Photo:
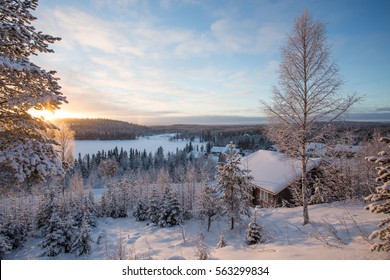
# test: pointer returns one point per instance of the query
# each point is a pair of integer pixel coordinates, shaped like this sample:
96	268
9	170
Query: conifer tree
55	240
5	245
26	153
206	204
380	201
153	206
171	213
82	244
140	212
235	188
254	233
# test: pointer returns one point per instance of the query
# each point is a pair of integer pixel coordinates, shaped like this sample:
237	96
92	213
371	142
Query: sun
47	115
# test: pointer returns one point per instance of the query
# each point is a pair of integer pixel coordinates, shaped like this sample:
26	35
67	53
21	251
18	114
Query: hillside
338	231
104	129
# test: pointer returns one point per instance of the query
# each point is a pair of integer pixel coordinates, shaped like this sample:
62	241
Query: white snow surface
274	171
337	231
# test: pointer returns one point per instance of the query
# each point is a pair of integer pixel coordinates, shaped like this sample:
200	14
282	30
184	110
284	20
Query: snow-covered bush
380	201
108	168
201	251
221	241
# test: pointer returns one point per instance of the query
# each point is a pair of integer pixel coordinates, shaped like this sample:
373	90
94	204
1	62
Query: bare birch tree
65	138
308	96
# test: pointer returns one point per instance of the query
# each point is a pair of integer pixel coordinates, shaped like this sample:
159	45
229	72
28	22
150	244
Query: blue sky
193	61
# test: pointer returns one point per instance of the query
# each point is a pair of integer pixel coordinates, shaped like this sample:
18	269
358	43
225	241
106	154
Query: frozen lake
149	143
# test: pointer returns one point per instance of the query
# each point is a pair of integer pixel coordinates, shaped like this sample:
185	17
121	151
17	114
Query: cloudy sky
199	61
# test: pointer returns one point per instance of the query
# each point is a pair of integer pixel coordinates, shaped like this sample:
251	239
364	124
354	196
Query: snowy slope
337	231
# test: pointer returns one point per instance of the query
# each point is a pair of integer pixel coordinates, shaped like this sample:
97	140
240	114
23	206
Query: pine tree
109	201
171	213
206	206
48	204
234	185
16	223
82	244
380	201
26	153
153	206
5	245
71	220
54	241
140	212
254	233
90	211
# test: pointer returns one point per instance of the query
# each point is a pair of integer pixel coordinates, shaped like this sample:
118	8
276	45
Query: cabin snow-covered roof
225	150
273	171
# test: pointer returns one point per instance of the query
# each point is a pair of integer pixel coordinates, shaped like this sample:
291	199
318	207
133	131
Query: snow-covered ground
337	231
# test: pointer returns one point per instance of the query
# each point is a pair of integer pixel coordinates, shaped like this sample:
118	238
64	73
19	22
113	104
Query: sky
204	62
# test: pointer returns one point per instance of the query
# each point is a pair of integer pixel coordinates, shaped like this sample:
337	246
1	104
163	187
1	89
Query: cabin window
264	196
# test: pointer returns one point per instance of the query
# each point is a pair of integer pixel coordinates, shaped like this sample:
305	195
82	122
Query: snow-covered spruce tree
5	245
55	240
141	212
254	233
16	222
125	195
48	204
82	244
206	206
153	210
26	153
234	184
90	210
170	211
71	219
109	202
380	201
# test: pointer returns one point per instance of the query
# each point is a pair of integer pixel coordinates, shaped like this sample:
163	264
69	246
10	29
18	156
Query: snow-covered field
337	231
149	143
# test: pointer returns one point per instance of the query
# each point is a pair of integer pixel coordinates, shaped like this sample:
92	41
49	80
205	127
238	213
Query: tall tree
234	183
380	201
25	86
307	98
65	136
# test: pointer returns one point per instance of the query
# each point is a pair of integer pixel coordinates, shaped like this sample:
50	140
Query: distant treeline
244	136
105	129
